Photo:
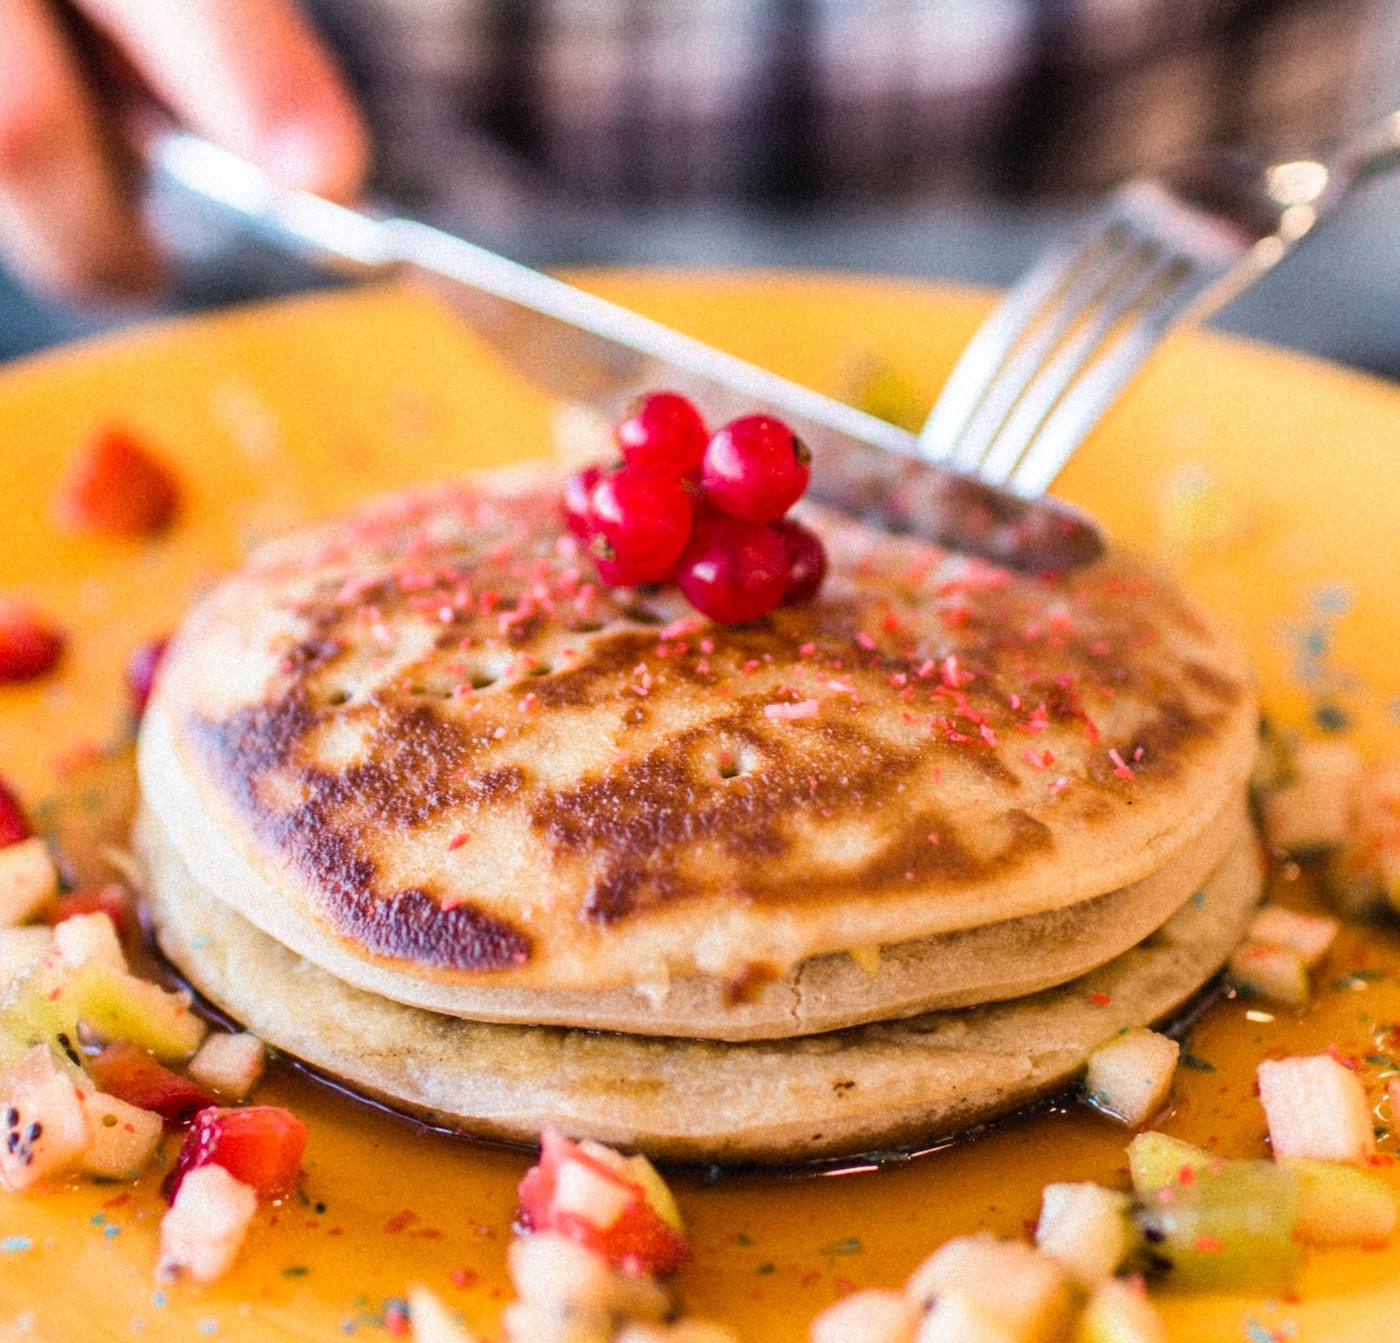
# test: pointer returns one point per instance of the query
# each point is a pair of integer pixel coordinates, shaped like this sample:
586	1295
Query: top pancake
421	739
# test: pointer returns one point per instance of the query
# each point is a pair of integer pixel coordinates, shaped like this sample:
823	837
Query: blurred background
944	139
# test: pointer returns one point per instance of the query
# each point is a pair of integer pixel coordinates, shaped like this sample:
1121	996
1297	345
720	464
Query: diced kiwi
39	1008
1157	1159
118	1006
1340	1205
1228	1227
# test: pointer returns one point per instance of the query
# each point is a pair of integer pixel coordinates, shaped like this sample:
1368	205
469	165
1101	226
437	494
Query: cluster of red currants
705	510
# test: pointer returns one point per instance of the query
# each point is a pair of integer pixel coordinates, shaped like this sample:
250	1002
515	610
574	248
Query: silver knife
583	348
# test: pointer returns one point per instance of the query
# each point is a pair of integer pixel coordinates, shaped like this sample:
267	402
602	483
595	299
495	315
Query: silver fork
1160	252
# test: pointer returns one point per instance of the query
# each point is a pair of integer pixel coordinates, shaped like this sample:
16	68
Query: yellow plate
1268	479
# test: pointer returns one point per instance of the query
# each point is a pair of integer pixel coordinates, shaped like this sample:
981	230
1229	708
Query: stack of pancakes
428	808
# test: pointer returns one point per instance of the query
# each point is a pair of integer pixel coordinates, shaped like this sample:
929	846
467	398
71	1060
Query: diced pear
1156	1160
119	1006
1129	1076
1308	934
1118	1311
1340	1205
28	880
1313	808
20	948
124	1138
598	1200
1086	1228
1278	973
203	1230
1025	1292
90	937
229	1065
1229	1227
432	1322
43	1128
1315	1108
872	1316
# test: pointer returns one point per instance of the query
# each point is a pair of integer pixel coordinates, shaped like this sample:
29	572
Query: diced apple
872	1316
1118	1311
1156	1160
1278	973
19	949
124	1139
640	1171
1025	1292
956	1318
432	1322
1129	1076
582	1192
119	1006
682	1331
1308	934
90	937
229	1065
28	880
1229	1227
203	1230
1315	1108
42	1125
1312	809
1085	1228
555	1270
1340	1205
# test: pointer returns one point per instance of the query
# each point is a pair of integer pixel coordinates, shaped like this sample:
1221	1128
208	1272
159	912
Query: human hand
248	74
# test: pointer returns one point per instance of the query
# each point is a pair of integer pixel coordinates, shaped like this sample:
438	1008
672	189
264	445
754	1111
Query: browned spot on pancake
406	782
1223	688
748	985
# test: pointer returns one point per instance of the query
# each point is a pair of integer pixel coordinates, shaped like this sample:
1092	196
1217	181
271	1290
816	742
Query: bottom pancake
867	1087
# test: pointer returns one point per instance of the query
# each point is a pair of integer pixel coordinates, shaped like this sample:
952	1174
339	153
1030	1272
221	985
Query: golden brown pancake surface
424	738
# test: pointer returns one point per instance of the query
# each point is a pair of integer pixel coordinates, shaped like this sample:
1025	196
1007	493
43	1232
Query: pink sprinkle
807	708
707	646
988	735
679	629
865	641
1120	769
808	650
933	838
951	674
1137	754
499	733
457	841
528	703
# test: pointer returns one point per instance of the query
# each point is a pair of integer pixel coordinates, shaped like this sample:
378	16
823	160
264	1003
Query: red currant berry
732	570
641	520
577	503
663	432
756	468
806	561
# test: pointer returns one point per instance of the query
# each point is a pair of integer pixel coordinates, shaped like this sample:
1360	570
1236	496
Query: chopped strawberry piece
261	1145
29	645
130	1074
141	668
117	487
112	900
572	1193
14	824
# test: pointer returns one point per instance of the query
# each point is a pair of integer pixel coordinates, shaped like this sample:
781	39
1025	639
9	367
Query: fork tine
1104	264
1156	275
999	336
1085	402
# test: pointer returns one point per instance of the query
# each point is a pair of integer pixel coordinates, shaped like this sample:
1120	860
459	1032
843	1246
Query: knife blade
583	348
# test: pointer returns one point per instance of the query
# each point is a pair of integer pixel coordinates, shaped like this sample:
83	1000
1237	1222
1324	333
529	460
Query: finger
251	75
67	221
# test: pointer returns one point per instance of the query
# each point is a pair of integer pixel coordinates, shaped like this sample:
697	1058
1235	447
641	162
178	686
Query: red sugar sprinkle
1209	1245
865	641
457	841
465	1277
1120	769
1100	999
399	1221
933	837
